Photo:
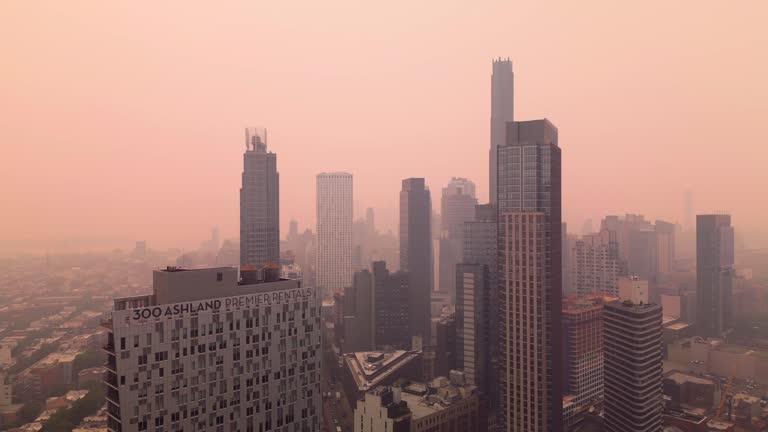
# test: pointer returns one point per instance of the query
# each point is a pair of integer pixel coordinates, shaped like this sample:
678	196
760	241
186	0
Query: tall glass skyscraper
530	292
259	203
502	109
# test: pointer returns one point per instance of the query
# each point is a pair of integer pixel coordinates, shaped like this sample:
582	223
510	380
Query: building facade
714	274
208	352
259	203
334	233
633	366
530	292
416	254
583	352
473	325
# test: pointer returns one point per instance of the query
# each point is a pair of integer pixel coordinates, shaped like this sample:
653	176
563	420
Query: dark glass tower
390	323
416	254
714	274
259	203
530	283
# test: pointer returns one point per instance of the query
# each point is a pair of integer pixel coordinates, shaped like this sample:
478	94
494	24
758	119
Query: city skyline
180	116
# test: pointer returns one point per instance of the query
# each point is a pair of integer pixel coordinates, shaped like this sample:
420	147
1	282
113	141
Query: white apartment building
207	351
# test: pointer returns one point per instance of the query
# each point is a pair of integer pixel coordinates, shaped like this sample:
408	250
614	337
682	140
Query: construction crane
725	395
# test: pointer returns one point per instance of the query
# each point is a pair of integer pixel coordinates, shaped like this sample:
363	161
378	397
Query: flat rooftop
424	400
368	368
682	377
677	326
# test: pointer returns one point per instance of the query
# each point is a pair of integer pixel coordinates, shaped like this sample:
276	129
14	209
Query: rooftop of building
574	304
368	368
686	416
425	399
629	305
178	285
682	377
679	325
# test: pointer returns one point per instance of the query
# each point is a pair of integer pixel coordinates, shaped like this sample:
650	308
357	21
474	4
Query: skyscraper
502	109
416	254
334	232
457	206
633	366
259	203
714	274
530	292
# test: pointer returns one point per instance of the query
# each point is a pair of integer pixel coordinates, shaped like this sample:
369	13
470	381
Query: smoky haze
123	122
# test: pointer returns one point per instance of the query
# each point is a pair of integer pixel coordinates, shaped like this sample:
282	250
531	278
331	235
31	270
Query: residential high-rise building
530	292
714	274
334	233
390	307
416	254
502	111
633	366
457	206
208	352
583	352
472	325
595	267
259	203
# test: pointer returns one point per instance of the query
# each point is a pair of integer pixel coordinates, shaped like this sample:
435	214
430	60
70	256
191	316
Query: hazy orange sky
122	121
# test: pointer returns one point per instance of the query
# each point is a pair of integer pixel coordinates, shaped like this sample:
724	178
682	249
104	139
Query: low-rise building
689	390
441	405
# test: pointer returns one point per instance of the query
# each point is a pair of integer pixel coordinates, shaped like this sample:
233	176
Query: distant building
457	207
502	111
391	293
714	274
633	366
359	313
204	345
334	232
259	203
595	266
416	253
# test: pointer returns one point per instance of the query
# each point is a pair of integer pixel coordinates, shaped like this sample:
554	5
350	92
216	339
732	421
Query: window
219	277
